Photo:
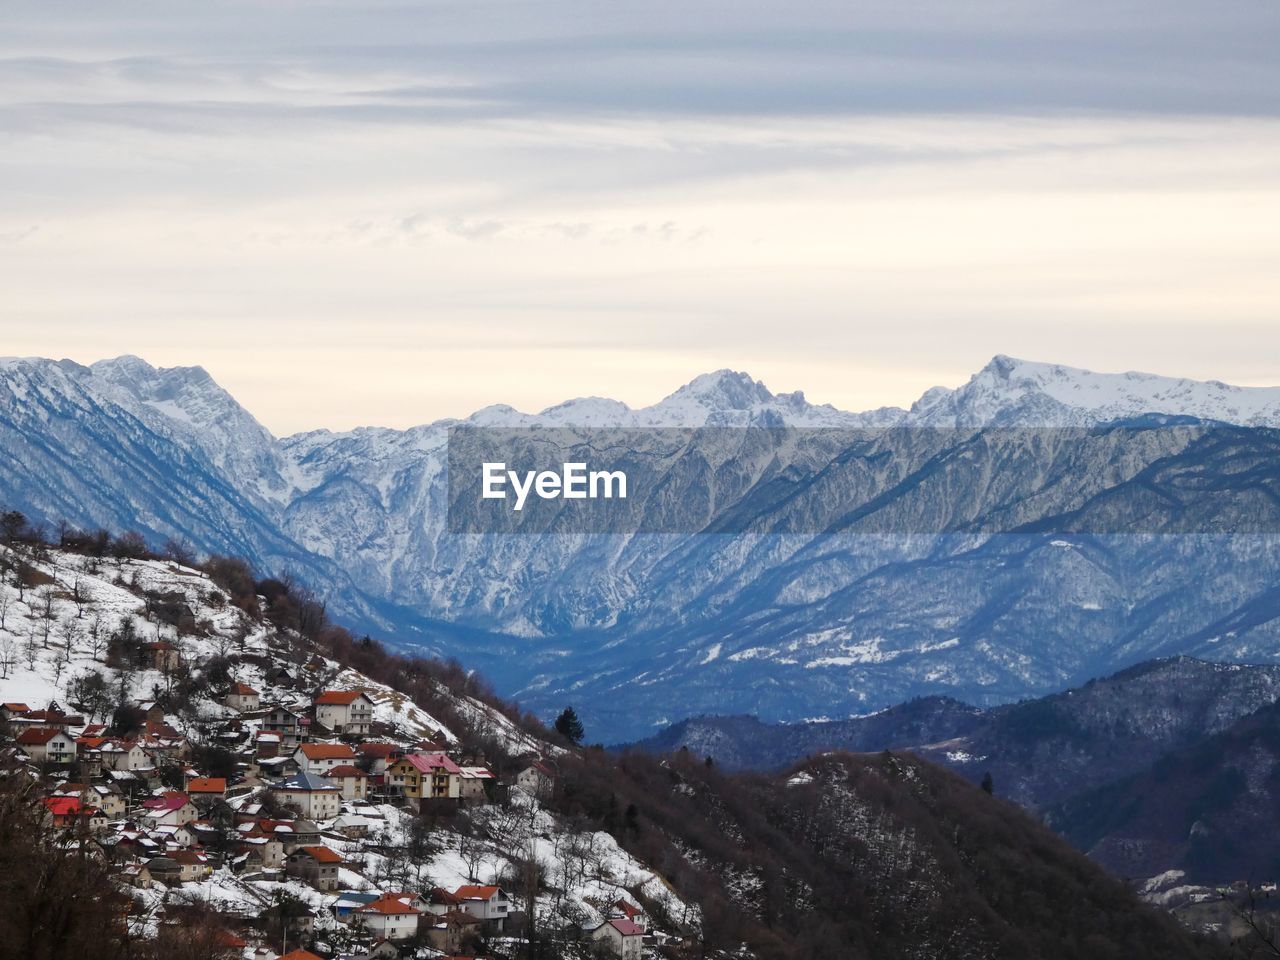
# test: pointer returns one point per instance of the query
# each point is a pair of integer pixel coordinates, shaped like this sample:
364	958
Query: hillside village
230	776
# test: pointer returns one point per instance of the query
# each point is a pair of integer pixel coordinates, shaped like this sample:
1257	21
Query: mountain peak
724	390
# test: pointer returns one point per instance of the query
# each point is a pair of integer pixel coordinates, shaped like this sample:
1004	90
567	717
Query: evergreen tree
988	785
569	726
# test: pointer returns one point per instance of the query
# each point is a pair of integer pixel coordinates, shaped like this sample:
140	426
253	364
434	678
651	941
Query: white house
345	711
47	745
536	779
351	780
472	783
387	917
623	938
310	795
170	809
123	755
243	697
320	758
488	903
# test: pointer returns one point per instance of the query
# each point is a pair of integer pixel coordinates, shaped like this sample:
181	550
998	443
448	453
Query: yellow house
425	776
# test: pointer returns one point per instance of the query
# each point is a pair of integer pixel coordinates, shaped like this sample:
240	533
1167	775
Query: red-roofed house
488	903
536	779
623	938
631	912
207	785
243	697
320	758
204	791
345	711
64	810
425	776
388	917
317	865
47	745
170	809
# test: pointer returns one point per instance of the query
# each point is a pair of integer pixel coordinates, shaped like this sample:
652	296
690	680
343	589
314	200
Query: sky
381	213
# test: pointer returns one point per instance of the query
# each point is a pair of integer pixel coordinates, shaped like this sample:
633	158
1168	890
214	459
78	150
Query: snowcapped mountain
788	624
193	410
1021	393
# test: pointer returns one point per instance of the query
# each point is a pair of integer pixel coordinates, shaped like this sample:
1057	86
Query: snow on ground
582	871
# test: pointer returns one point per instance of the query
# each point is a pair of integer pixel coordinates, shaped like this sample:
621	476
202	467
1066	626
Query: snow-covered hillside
65	618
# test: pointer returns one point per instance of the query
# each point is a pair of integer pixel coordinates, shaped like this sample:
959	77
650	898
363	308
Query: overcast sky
371	213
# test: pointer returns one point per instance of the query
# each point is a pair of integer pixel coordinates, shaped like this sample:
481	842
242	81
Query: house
352	826
488	903
170	809
422	776
242	697
345	711
536	779
136	875
378	756
47	745
320	758
348	901
453	931
300	955
309	795
164	655
153	711
71	807
387	917
191	865
179	866
351	780
622	937
473	783
316	865
291	725
440	902
631	912
65	811
123	755
267	745
160	739
10	710
104	796
50	717
179	838
204	791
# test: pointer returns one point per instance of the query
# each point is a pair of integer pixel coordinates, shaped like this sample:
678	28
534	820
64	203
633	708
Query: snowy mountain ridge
123	445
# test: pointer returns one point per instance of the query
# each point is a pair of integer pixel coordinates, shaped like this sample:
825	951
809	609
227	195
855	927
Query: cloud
854	199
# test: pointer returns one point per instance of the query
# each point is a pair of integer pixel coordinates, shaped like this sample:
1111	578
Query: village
305	810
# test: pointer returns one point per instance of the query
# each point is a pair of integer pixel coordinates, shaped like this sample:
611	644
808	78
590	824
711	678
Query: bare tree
30	648
48	613
96	636
8	654
61	660
79	595
4	607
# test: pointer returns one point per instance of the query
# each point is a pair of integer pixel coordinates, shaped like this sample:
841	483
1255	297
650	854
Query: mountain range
939	559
